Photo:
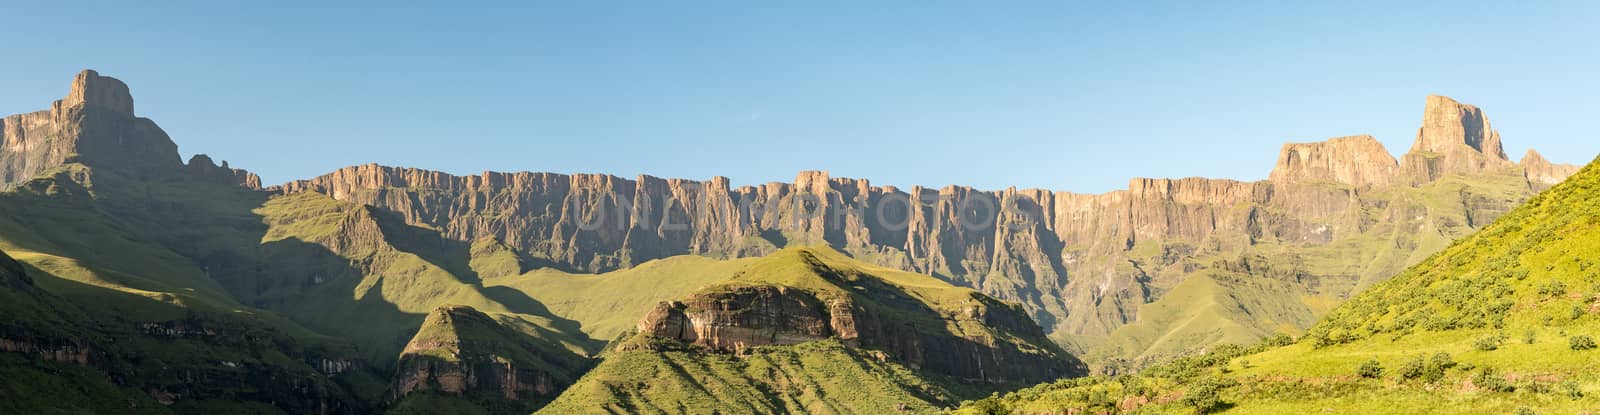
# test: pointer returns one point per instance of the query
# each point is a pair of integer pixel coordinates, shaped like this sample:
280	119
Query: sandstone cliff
1082	264
95	125
805	295
1356	160
1454	138
1541	173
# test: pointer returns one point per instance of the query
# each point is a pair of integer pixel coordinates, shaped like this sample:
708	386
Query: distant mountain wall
1081	263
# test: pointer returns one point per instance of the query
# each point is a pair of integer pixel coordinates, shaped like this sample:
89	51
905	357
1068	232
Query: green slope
609	304
1271	288
880	369
1499	322
823	377
466	361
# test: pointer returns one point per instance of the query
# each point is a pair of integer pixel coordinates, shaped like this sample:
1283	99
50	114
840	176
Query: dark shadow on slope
520	302
909	329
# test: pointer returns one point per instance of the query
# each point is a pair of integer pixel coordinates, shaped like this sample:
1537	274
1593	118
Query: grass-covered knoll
464	361
823	377
926	304
453	333
862	373
1500	322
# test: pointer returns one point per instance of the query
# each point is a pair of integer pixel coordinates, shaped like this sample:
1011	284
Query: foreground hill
809	330
1500	322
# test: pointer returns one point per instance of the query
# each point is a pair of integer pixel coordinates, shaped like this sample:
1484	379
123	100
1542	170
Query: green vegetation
1242	291
1518	275
816	377
646	374
1580	343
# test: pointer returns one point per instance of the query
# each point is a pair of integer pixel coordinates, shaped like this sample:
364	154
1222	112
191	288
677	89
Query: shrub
1414	368
1487	343
1577	312
1523	410
1580	342
1442	360
1553	288
1530	336
1205	396
1370	369
1436	367
1489	380
1572	390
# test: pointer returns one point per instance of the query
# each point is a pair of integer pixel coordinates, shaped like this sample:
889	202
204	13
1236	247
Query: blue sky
989	94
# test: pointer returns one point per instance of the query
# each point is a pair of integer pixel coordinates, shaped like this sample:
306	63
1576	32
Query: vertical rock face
95	125
1454	138
1081	263
1541	173
1356	160
91	89
977	339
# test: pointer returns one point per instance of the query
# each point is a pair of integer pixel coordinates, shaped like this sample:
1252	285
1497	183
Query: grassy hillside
854	374
1503	321
127	308
466	361
1271	287
609	304
823	377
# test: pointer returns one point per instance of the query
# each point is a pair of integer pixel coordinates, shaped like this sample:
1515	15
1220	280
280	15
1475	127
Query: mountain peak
1454	138
91	89
1448	124
1541	173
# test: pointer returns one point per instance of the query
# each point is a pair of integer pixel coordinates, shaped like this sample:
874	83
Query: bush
1205	396
1370	369
1414	368
1489	380
1436	367
1530	337
1580	342
1553	288
1572	390
1442	360
1523	410
1489	343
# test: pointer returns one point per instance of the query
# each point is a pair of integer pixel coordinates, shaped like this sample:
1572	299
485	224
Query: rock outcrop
1070	258
1541	173
94	125
1454	138
1356	160
983	340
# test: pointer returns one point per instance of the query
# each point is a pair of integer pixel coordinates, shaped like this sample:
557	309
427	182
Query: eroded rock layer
1067	256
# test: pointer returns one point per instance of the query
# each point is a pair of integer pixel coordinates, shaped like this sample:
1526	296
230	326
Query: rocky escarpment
1454	138
95	125
1072	259
1541	173
460	351
973	337
1356	160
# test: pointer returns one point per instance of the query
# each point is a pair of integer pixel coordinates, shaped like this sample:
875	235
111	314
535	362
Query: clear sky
991	94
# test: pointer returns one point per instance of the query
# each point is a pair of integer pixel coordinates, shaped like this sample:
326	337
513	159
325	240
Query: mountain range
137	282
